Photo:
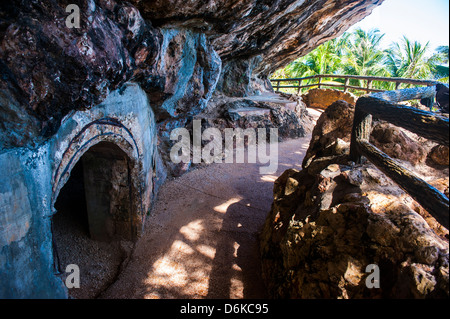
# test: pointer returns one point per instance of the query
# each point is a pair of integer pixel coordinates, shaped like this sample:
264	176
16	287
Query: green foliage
359	53
364	56
441	54
408	60
440	60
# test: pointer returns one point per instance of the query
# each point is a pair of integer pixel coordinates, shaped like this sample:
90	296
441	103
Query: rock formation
333	220
243	29
322	98
173	50
330	137
394	142
439	154
325	229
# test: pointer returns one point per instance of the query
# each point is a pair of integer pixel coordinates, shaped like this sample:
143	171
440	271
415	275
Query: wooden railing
276	83
383	106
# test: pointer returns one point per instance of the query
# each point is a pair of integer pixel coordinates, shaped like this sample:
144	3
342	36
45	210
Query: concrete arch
112	131
104	129
32	179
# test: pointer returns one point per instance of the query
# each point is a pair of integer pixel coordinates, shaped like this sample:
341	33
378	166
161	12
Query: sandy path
201	240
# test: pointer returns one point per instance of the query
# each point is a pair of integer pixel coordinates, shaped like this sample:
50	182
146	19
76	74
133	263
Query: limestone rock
439	155
395	143
236	78
244	29
268	111
324	230
322	98
51	69
173	50
331	135
184	78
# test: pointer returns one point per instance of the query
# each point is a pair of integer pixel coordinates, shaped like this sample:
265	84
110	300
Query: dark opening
92	227
71	203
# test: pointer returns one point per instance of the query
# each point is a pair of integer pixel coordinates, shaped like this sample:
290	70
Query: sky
419	20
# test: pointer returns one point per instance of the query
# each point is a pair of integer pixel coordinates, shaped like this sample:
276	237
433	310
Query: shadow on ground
201	240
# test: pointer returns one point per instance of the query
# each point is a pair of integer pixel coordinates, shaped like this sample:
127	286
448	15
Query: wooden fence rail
346	85
427	124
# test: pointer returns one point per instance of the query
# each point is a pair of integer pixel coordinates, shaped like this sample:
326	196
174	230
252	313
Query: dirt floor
201	240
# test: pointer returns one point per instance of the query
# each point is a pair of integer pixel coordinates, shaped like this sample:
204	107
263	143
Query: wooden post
423	123
436	203
369	86
299	87
278	86
420	122
397	85
320	80
362	127
347	80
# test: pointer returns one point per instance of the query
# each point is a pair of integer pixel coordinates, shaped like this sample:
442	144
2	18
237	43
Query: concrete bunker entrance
93	227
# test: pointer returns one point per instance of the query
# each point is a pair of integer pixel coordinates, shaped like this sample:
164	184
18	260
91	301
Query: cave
98	193
93	218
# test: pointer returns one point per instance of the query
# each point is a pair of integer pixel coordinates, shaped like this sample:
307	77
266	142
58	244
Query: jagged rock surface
242	29
439	154
331	220
325	229
330	137
51	70
48	69
394	142
174	50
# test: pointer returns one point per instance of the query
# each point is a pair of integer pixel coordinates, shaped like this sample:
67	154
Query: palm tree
359	53
442	54
325	59
440	60
363	55
408	59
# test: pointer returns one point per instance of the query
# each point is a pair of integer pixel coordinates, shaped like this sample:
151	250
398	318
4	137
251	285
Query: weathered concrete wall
26	259
126	119
30	181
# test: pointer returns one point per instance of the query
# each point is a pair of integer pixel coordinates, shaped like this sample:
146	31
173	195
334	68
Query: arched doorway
108	190
93	226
